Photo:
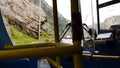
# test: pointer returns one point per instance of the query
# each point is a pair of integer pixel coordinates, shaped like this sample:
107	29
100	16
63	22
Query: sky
64	9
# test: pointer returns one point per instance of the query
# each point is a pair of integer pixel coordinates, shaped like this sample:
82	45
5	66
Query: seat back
117	31
4	37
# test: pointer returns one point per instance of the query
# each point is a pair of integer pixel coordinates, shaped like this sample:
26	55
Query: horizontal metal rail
101	56
46	49
40	52
102	41
109	3
9	47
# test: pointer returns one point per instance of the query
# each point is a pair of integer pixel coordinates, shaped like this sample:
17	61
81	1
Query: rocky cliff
23	15
113	20
49	12
26	15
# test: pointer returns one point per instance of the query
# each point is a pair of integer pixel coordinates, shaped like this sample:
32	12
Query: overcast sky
64	9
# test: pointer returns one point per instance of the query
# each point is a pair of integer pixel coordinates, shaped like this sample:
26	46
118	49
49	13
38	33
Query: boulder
24	15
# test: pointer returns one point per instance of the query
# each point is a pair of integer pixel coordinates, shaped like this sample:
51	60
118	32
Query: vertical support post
56	28
55	15
77	31
98	16
39	30
93	37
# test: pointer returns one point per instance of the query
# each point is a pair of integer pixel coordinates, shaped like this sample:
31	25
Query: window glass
109	16
89	16
27	21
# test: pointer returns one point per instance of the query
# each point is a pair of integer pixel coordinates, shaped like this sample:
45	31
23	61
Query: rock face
23	15
113	20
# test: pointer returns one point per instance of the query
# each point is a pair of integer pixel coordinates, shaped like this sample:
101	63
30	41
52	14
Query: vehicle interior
100	48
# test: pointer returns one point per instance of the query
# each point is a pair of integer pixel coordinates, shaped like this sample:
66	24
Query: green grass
45	37
20	38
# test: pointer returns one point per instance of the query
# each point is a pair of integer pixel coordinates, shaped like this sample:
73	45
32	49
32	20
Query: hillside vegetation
20	38
21	18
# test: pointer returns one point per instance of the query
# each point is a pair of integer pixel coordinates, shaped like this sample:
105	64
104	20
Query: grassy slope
46	38
20	38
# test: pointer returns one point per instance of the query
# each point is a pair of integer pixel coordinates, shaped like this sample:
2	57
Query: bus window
109	16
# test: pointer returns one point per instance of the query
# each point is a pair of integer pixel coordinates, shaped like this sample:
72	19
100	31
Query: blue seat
4	37
15	63
19	63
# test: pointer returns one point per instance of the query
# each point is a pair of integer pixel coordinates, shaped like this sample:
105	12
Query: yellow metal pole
56	28
55	15
52	62
77	32
9	47
101	56
39	52
102	41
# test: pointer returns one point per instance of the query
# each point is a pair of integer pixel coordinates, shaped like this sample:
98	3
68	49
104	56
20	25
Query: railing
40	50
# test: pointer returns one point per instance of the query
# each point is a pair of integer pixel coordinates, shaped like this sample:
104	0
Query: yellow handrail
39	52
101	56
77	31
54	63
